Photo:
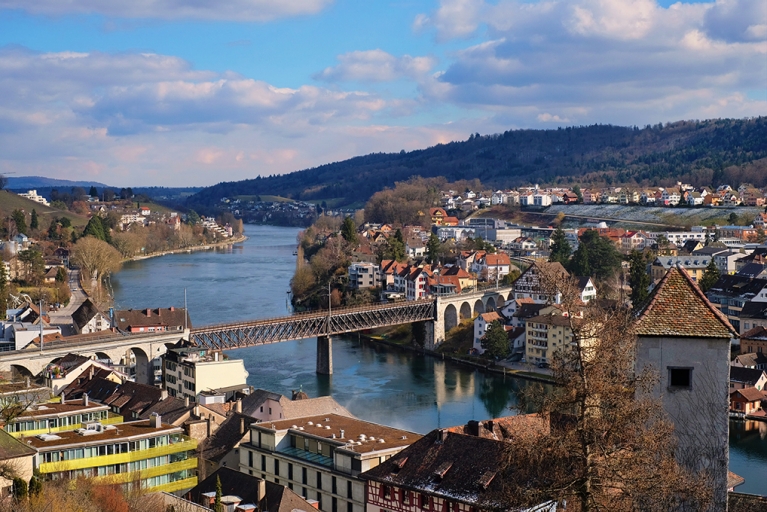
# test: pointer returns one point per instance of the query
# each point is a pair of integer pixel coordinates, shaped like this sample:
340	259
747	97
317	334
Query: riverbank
206	247
499	369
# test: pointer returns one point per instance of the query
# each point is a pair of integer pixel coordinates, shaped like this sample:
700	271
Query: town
186	428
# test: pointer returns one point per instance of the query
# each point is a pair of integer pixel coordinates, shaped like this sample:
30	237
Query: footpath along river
250	280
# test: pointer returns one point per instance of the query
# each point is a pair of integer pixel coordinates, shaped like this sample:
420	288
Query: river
377	383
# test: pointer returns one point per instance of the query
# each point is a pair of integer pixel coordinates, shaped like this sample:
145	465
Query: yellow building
48	418
149	453
544	335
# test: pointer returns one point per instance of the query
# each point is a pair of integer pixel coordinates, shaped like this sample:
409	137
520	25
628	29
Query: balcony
111	419
120	458
130	476
178	485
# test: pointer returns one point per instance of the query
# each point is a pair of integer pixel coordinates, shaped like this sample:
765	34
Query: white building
321	457
363	275
32	196
187	372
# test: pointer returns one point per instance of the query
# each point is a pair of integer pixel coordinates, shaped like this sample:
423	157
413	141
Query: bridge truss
309	325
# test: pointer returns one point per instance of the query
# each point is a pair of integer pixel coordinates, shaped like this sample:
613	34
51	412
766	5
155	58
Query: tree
61	275
732	219
34	265
595	255
639	279
560	247
93	192
577	192
512	276
35	484
3	181
433	249
418	330
496	341
97	258
96	229
19	221
3	290
579	265
349	230
20	489
394	248
34	223
192	218
609	444
217	505
108	195
710	276
662	243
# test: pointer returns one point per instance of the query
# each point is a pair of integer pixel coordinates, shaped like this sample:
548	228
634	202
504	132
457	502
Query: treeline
704	152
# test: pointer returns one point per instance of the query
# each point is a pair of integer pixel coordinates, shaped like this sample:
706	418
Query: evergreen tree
496	341
710	276
93	192
560	247
20	489
3	290
349	230
639	279
34	223
20	221
192	218
97	229
35	484
579	265
217	505
598	257
433	248
577	192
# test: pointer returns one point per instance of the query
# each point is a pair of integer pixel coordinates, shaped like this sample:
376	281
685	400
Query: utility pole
329	310
41	325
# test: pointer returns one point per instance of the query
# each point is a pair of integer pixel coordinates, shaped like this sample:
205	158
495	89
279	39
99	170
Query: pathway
63	317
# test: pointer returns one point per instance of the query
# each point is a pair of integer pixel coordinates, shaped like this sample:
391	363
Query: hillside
10	201
701	152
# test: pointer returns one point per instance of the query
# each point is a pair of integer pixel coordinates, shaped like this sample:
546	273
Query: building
152	320
321	457
47	418
481	324
265	405
694	265
546	334
18	456
33	196
741	378
244	493
538	282
363	275
492	267
451	470
684	337
746	401
187	372
87	318
754	341
155	455
731	293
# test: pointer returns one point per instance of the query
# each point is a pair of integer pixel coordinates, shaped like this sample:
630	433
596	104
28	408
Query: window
319	480
303	478
290	471
349	506
386	492
349	489
276	467
263	463
334	506
424	501
250	459
679	378
334	485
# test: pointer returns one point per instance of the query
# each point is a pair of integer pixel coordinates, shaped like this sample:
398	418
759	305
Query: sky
195	92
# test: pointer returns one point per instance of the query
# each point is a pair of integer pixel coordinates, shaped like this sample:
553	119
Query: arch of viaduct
117	348
451	309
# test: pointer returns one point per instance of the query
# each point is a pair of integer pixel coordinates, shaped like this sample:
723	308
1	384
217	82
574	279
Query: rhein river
377	383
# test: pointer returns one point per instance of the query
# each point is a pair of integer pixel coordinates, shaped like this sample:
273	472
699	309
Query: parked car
543	365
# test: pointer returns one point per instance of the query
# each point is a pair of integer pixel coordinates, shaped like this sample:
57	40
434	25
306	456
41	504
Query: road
63	317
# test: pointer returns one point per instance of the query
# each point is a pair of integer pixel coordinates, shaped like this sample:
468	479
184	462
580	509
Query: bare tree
98	259
609	445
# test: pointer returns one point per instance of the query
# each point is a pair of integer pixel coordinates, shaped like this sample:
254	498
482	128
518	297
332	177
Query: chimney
63	398
85	399
242	426
186	401
155	420
238	405
215	356
342	434
473	428
172	309
27	382
261	490
197	410
208	420
148	312
163	394
442	435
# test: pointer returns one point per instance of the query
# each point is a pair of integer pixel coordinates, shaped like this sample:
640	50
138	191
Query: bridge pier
324	355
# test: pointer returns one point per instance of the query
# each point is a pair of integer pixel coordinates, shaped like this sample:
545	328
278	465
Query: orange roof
677	307
490	317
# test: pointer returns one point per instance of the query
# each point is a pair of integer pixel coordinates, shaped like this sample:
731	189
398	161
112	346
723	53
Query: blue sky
168	92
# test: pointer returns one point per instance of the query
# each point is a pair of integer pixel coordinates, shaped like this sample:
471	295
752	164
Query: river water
376	383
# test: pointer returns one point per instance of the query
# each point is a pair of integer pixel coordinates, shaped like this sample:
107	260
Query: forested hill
700	152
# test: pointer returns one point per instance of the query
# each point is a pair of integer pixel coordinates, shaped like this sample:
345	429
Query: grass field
264	198
10	201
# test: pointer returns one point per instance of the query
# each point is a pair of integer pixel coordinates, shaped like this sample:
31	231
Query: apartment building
189	371
321	457
56	417
156	455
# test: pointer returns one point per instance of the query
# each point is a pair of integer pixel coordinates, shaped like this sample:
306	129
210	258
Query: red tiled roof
677	307
750	394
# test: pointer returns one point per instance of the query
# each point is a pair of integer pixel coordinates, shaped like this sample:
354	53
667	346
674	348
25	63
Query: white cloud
453	19
619	61
231	10
376	66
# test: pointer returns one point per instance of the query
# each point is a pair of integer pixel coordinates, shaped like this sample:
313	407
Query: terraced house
156	456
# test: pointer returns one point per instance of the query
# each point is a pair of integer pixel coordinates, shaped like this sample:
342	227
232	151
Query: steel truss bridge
313	324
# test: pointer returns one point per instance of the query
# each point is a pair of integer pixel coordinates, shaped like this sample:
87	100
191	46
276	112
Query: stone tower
687	340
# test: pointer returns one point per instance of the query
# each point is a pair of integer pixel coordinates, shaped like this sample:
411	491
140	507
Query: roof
751	270
123	431
84	314
312	407
251	402
752	359
376	437
277	498
738	286
450	465
490	317
171	316
750	394
171	409
758	333
12	448
746	375
677	307
228	435
527	310
58	409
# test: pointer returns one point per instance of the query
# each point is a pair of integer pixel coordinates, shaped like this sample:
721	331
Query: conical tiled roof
677	307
